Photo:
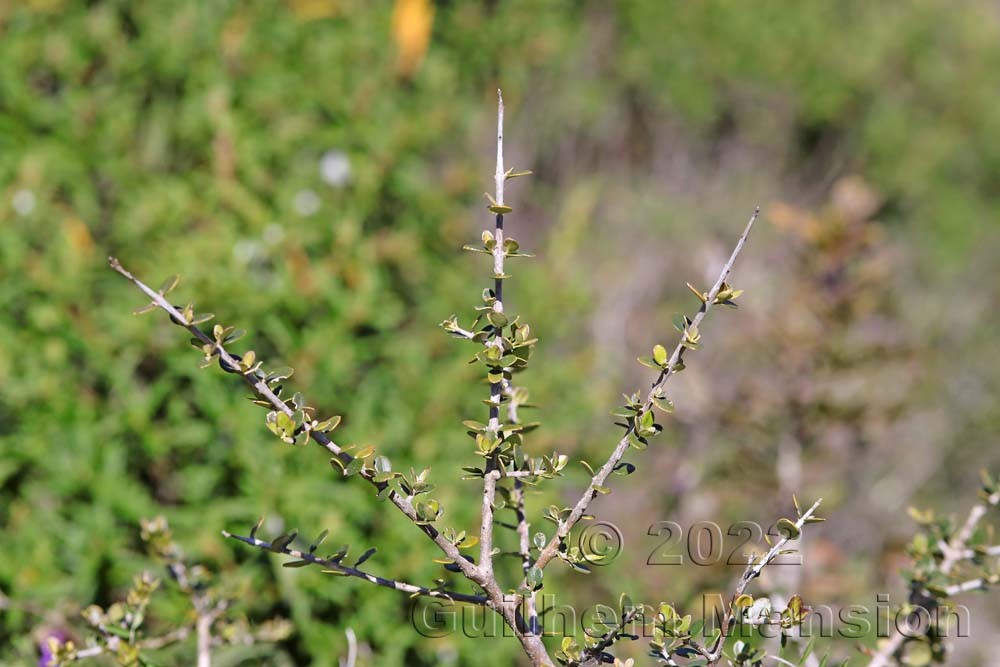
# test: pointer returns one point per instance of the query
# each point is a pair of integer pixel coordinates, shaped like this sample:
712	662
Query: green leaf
365	556
328	425
354	467
232	335
917	654
788	529
279	374
663	404
364	452
282	541
497	319
319	540
649	362
660	355
284	422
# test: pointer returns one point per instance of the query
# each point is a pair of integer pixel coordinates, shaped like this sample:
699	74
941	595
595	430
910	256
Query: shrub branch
336	567
551	549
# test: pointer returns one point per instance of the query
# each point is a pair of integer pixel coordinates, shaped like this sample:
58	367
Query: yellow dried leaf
412	21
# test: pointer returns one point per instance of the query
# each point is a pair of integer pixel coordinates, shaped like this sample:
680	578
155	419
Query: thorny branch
336	567
491	476
260	387
753	570
551	549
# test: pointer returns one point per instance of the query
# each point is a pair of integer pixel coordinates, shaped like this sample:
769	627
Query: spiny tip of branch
114	263
756	209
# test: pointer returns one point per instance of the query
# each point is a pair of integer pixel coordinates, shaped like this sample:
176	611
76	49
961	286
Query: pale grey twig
203	629
955	548
352	649
969	554
964	587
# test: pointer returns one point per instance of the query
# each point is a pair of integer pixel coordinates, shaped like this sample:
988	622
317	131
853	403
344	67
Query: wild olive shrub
949	559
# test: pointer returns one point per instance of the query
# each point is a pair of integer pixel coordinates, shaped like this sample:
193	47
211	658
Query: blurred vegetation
311	168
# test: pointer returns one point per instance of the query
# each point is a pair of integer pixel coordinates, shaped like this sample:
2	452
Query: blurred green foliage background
311	168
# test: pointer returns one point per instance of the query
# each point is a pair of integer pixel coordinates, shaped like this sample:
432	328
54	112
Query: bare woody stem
552	548
207	616
523	527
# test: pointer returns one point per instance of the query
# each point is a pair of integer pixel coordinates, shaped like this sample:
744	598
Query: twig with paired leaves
334	565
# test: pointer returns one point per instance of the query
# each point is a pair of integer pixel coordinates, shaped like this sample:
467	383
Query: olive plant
502	343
